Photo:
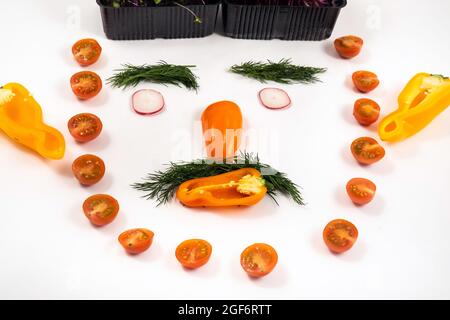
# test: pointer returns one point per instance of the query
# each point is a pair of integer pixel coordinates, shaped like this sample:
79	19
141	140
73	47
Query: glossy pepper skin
222	129
423	99
21	120
243	187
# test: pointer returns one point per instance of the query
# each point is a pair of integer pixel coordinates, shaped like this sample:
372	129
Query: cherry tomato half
340	235
85	127
86	51
365	81
259	259
361	191
101	209
135	241
193	253
366	111
86	84
367	150
348	46
88	169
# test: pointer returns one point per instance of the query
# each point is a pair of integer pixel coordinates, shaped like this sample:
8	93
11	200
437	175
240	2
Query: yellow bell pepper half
423	99
21	120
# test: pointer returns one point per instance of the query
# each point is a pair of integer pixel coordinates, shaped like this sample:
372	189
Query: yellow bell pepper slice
21	120
422	100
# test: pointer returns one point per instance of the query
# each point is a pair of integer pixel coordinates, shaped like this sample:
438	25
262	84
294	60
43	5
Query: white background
49	249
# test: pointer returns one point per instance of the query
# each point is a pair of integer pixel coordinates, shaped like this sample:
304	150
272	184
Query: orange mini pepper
222	129
21	120
243	187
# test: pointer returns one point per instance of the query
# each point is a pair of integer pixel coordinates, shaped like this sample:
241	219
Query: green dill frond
283	71
162	73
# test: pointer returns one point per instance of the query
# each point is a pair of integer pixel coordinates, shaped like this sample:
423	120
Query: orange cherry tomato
340	235
86	51
348	46
367	150
85	127
86	84
101	209
366	111
193	253
259	259
135	241
88	169
365	81
361	191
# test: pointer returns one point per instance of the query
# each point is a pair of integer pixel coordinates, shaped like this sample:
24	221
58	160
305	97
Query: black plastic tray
246	21
170	22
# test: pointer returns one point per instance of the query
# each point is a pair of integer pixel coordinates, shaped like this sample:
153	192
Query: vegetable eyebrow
283	71
162	72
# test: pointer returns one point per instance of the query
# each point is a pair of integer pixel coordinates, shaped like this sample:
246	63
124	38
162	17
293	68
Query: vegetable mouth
247	186
162	185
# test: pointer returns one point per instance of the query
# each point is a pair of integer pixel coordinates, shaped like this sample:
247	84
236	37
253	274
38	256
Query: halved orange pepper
243	187
423	99
21	120
222	129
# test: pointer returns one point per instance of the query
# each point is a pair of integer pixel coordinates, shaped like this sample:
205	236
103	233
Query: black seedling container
287	22
170	22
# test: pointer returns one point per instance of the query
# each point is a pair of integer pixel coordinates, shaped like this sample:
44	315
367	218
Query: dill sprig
283	71
162	185
162	73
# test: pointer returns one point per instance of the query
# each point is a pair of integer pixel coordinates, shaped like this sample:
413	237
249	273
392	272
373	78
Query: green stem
197	18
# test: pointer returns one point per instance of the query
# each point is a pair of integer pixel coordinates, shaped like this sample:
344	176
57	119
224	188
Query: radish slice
147	102
274	98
